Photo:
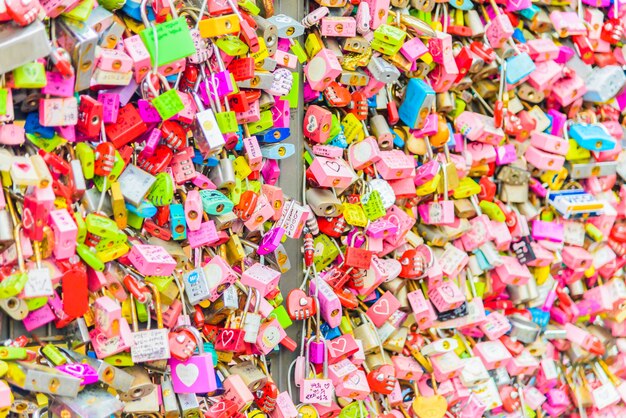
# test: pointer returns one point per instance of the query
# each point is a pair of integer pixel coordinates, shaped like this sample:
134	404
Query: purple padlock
317	350
147	112
82	371
152	141
270	241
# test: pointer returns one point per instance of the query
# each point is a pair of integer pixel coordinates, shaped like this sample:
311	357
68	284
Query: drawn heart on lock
333	165
382	308
338	346
22	166
390	267
187	373
218	407
227	337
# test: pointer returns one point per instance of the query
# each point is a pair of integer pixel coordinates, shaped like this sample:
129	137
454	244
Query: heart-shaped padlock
299	305
382	379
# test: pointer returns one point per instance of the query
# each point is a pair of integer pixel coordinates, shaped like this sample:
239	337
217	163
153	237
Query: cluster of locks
461	208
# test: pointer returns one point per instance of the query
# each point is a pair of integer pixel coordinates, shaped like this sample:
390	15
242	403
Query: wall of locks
365	208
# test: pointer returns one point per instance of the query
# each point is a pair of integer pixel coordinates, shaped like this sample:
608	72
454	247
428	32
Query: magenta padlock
83	371
317	351
203	182
206	234
381	228
505	154
193	210
426	172
151	260
110	106
152	141
430	127
148	112
551	231
38	318
328	302
270	241
280	114
57	85
270	171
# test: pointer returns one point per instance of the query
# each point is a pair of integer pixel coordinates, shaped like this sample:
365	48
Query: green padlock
161	282
48	145
325	252
235	193
106	243
168	104
14	284
135	221
232	45
82	228
30	76
162	191
35	303
120	360
174	41
298	51
142	311
281	315
4	93
227	121
102	226
88	257
265	122
373	206
81	12
86	156
13	353
353	410
335	126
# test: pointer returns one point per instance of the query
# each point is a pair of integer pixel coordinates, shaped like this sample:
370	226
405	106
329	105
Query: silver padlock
37	378
189	405
91	200
108	374
323	202
170	404
268	31
524	293
21	45
135	184
14	307
141	387
80	41
144	406
223	175
252	376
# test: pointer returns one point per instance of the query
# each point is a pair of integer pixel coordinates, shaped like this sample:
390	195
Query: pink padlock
331	172
383	308
493	354
576	258
363	153
205	235
281	114
262	213
543	160
395	164
323	68
193	210
107	315
137	51
253	153
260	277
446	296
446	365
329	304
253	114
65	234
422	309
341	370
114	60
151	260
110	106
317	123
495	325
355	386
38	318
341	347
546	73
512	272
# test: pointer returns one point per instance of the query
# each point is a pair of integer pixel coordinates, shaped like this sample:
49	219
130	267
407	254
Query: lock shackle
144	16
196	334
246	306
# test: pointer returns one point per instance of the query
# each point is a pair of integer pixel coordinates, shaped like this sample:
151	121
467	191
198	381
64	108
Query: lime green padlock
88	257
120	360
30	76
102	226
118	167
168	104
281	315
162	191
373	206
325	252
35	303
227	121
14	284
13	353
232	45
86	156
174	41
82	228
